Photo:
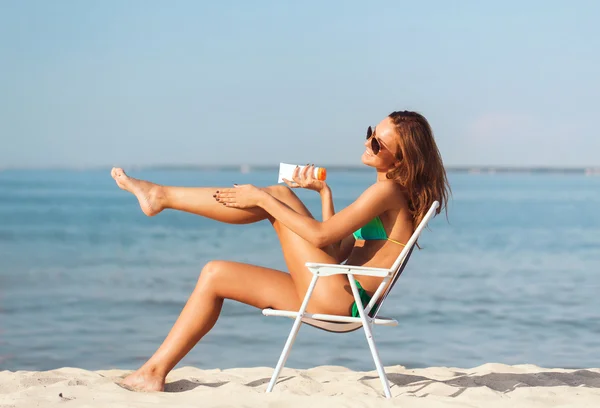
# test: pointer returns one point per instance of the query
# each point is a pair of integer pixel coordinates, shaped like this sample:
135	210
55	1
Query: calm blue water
87	280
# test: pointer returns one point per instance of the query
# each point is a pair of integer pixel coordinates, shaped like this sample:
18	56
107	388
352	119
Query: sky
138	83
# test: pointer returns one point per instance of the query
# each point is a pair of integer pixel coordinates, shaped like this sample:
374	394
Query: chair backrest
403	258
397	268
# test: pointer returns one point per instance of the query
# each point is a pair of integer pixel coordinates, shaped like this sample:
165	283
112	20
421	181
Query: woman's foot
149	195
141	380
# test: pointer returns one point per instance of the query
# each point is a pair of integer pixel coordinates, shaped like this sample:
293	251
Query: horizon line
595	169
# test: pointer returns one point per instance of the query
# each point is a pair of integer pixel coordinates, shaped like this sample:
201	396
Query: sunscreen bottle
286	171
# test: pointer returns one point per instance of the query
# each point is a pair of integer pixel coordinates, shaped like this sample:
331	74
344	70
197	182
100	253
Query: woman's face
384	135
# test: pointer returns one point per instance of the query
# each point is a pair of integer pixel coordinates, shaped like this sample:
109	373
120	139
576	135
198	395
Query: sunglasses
375	145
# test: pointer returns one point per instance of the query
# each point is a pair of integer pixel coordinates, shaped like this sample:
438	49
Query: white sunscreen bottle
286	171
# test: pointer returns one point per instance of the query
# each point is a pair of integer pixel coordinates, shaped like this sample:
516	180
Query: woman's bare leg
219	280
331	295
154	198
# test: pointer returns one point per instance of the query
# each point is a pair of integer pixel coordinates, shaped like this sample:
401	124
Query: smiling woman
371	231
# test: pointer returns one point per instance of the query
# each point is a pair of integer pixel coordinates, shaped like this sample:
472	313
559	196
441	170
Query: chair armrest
323	269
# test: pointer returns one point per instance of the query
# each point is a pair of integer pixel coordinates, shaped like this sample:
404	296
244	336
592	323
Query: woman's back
380	249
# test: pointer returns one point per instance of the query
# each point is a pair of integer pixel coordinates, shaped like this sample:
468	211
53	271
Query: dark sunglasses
375	145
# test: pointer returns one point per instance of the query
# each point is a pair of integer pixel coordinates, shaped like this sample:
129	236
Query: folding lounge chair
346	324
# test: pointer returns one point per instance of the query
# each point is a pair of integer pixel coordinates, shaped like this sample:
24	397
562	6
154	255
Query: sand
489	385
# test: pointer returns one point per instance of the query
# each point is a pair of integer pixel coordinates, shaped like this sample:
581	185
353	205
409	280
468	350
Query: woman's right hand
305	179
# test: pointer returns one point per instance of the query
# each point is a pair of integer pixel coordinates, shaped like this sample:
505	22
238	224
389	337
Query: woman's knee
281	191
286	195
212	273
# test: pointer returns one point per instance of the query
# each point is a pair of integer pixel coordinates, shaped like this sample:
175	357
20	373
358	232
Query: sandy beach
489	385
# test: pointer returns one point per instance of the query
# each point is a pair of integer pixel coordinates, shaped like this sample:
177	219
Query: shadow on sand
501	382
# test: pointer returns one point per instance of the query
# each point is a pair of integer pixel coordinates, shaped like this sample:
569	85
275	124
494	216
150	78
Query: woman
370	232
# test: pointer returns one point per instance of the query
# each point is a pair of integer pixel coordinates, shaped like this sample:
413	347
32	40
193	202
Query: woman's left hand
240	196
305	179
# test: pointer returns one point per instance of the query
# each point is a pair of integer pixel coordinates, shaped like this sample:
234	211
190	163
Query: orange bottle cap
321	174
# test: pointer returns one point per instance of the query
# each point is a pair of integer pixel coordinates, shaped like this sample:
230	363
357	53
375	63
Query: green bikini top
373	231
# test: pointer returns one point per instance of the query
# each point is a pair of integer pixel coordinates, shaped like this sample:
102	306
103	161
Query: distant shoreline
450	169
247	168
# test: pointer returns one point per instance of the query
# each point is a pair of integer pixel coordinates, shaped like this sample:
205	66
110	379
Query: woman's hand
305	179
241	196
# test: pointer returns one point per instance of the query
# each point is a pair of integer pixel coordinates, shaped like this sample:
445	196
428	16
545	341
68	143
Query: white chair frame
345	324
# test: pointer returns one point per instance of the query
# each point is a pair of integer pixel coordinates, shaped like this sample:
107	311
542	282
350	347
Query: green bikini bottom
364	298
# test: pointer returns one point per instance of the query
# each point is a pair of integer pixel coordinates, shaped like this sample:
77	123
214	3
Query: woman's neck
381	175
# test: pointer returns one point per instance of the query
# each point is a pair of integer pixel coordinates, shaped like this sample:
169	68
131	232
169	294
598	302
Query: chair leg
377	360
370	341
292	336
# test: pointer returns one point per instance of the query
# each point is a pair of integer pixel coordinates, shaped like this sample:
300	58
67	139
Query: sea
512	275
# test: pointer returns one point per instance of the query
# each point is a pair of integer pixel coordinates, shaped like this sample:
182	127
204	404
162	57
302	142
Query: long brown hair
421	170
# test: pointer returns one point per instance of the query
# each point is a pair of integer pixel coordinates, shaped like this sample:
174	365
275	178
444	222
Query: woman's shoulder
389	190
388	187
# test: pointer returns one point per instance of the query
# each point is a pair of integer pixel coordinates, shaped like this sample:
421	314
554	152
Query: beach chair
368	313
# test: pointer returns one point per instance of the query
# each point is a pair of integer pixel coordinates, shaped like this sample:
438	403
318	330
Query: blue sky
126	83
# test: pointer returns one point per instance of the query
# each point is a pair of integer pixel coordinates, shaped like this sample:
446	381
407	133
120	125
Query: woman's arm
327	202
305	179
375	200
340	247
